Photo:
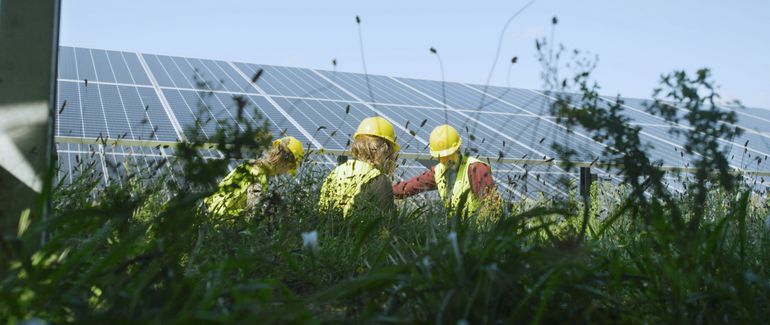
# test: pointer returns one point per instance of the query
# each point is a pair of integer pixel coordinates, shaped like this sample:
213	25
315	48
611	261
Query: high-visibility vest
461	200
231	198
341	187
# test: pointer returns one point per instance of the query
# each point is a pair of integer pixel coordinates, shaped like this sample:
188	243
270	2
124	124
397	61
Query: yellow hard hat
378	127
296	149
444	141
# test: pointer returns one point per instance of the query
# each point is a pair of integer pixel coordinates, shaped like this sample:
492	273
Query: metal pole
29	39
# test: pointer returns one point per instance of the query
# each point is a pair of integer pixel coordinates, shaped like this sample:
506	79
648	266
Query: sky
636	41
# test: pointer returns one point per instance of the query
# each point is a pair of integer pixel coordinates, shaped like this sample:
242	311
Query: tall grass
147	252
136	256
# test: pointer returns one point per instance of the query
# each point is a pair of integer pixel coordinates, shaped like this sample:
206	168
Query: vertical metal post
586	180
29	39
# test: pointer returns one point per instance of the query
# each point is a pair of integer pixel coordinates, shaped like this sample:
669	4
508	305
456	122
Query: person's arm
483	187
480	176
418	184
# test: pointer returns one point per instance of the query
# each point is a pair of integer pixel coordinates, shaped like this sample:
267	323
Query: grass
146	252
134	255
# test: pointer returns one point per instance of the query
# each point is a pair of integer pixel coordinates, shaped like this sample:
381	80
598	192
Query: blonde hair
278	155
376	151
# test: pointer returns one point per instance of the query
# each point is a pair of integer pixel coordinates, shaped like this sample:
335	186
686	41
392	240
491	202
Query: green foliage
146	258
132	255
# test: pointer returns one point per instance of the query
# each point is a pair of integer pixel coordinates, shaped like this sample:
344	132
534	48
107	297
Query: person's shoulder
478	162
474	160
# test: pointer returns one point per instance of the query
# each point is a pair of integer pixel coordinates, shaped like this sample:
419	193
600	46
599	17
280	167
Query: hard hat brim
446	152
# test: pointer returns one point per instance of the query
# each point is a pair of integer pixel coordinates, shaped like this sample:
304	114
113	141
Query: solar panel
149	100
457	96
74	160
160	74
332	123
480	140
384	90
111	110
294	82
756	114
739	155
636	110
100	66
753	119
522	100
67	67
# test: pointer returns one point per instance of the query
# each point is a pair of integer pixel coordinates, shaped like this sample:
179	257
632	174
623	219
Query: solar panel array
147	102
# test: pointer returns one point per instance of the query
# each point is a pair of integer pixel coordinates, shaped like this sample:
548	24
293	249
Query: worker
463	183
363	182
245	188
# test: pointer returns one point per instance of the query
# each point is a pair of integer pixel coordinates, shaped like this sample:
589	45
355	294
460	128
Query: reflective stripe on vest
462	193
232	194
343	184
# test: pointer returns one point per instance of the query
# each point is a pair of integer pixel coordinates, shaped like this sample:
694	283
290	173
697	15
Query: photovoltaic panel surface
111	110
294	82
378	89
149	98
100	65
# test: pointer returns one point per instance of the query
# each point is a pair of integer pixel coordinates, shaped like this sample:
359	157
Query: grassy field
146	252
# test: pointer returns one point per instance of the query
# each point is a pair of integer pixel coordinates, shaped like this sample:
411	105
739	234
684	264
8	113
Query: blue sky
636	41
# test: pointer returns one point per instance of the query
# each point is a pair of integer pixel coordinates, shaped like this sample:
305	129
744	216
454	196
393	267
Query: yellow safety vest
232	195
462	199
341	187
